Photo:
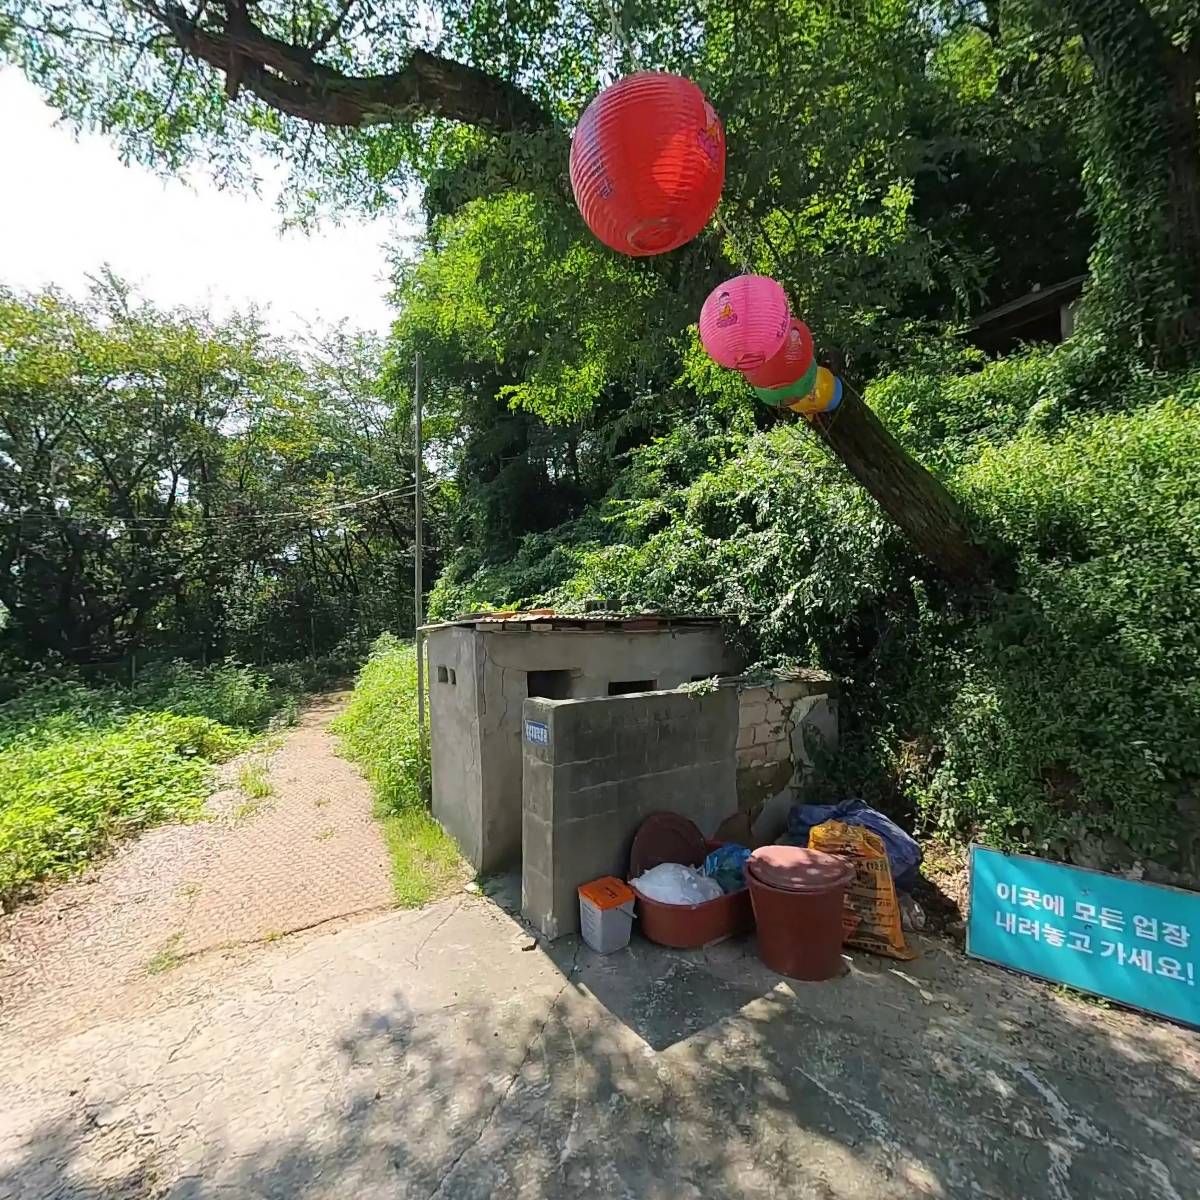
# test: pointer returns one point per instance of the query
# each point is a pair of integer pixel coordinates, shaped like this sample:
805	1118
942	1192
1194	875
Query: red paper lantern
789	364
648	163
744	322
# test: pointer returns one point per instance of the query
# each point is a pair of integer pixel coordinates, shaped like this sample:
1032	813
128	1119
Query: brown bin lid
794	869
666	838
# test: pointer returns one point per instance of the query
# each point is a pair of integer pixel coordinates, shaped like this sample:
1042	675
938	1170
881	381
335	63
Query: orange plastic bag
871	919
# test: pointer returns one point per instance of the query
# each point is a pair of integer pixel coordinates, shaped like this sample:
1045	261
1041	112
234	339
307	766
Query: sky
68	206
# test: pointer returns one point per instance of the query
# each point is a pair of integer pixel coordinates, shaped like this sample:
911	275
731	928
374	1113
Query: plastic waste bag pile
871	919
673	883
903	854
727	865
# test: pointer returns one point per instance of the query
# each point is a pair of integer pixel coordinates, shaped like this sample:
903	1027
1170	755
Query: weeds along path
289	844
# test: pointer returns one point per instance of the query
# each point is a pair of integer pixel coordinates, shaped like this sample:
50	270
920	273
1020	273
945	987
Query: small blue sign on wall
537	732
1128	941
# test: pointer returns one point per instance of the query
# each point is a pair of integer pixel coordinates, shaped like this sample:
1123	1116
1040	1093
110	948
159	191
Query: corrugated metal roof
589	621
1041	298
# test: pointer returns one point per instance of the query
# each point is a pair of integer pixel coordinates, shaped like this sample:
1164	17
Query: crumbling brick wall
780	724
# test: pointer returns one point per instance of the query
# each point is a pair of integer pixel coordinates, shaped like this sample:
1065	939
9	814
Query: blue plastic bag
904	855
727	865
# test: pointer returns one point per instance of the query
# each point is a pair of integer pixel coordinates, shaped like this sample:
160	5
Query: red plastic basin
689	926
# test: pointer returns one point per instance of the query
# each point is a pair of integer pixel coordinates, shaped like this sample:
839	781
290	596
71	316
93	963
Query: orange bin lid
606	892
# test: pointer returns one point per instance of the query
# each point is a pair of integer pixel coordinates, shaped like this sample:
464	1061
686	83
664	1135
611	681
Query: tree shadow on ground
945	1079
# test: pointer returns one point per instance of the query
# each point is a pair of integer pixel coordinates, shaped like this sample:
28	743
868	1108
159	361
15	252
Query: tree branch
335	27
288	78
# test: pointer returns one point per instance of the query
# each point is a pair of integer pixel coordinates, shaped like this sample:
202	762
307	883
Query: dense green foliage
379	732
379	729
885	121
1071	708
1056	712
901	167
81	766
174	485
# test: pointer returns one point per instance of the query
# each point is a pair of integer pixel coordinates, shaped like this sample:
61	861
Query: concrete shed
483	667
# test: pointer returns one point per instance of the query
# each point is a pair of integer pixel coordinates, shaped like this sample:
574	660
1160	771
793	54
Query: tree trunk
289	79
1183	189
1143	179
919	504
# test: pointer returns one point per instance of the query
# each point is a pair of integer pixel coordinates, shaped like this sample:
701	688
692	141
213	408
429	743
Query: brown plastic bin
668	837
798	897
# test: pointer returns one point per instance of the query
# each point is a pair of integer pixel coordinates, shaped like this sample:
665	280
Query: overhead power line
218	519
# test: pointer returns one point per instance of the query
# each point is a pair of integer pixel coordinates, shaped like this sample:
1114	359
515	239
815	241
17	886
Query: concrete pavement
442	1054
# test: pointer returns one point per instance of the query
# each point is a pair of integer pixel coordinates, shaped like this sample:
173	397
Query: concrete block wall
478	681
605	765
457	748
780	723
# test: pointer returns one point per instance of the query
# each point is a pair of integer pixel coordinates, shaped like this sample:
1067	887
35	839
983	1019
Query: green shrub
318	674
379	727
1079	696
229	692
80	766
943	410
379	732
63	798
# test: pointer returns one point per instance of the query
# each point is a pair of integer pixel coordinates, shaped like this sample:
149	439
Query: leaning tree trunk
934	522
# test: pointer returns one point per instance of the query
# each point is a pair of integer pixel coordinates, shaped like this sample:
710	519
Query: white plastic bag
673	883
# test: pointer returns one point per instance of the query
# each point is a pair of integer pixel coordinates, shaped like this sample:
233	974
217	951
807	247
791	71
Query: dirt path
175	907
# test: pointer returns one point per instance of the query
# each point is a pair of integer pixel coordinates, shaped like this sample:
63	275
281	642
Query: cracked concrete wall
606	765
780	724
476	732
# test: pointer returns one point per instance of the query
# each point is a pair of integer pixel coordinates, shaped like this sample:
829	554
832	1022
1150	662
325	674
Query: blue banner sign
537	732
1128	941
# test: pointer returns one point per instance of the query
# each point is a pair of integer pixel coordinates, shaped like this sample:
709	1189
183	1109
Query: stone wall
781	723
595	769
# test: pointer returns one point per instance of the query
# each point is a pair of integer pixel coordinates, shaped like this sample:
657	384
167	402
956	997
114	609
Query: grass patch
1066	992
167	957
379	733
81	767
247	810
253	779
426	863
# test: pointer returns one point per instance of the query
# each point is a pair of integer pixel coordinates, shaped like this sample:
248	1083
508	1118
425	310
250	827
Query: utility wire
239	519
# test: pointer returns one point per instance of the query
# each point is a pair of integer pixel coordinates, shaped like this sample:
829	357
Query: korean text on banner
1129	941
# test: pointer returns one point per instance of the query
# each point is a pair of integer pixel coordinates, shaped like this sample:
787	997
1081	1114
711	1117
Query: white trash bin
606	914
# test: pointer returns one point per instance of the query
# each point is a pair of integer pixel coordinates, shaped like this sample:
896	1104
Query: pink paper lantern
744	322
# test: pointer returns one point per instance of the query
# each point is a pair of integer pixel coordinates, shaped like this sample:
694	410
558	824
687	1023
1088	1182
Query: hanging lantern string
739	252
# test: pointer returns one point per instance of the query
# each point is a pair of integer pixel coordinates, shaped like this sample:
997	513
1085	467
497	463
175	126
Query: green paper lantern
783	396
